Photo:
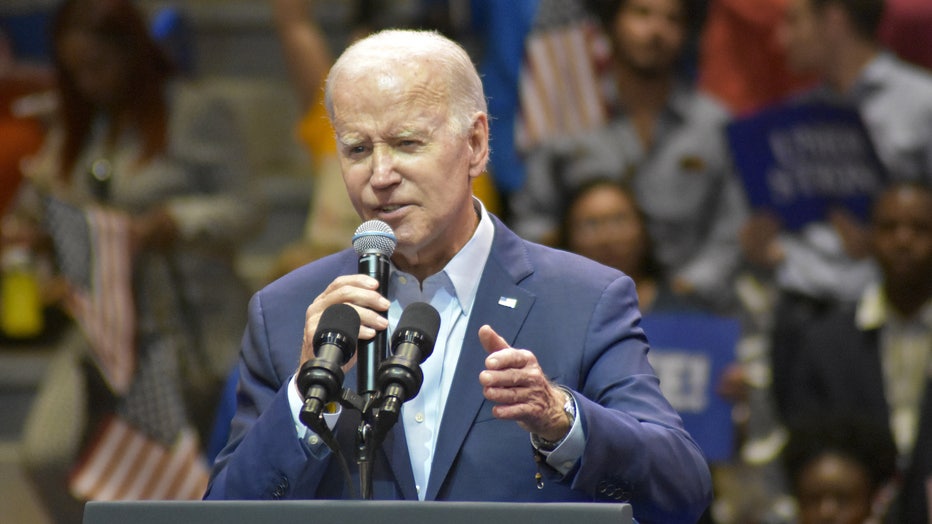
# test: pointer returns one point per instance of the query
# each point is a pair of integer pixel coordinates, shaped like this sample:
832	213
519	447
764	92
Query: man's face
902	236
649	35
800	36
402	162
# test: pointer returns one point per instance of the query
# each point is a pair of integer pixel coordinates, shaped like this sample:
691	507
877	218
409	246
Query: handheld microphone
374	242
321	378
400	377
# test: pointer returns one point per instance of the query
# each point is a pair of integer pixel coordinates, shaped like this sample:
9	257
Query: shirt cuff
295	402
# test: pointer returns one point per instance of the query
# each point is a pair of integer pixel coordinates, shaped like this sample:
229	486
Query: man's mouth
389	209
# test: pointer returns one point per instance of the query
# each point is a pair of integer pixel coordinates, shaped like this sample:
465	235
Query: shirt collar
874	311
464	270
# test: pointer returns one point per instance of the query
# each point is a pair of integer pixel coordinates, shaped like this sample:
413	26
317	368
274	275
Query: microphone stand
369	357
369	434
365	451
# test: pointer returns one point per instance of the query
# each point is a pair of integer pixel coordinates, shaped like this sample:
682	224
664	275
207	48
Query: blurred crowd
125	198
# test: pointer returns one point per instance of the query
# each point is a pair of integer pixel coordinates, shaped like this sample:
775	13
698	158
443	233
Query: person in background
827	262
741	62
874	359
840	470
412	130
144	174
603	222
666	141
331	220
837	41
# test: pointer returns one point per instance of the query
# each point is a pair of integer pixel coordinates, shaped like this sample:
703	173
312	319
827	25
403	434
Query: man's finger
491	340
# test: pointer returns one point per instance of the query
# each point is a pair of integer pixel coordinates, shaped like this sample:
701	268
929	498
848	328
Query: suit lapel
502	304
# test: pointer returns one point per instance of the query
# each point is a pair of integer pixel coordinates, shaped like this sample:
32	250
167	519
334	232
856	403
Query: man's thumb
491	340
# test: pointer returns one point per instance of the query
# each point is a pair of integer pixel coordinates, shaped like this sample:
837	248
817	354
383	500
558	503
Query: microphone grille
374	236
339	320
422	318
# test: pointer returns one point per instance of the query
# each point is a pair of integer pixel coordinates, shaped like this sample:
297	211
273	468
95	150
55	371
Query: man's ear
478	138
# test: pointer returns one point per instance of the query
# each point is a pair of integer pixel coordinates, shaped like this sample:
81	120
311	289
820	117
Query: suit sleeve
636	447
264	458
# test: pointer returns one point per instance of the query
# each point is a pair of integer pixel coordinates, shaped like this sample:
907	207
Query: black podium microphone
400	376
374	242
321	378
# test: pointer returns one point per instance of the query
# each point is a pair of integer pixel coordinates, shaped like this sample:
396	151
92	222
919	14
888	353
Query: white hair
402	46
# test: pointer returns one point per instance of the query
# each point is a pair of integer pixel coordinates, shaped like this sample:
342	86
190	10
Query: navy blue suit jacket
581	321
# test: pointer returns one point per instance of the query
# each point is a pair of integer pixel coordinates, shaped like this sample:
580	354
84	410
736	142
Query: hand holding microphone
366	290
374	242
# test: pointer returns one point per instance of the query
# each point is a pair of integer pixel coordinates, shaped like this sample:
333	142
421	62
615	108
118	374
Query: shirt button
403	280
313	440
419	417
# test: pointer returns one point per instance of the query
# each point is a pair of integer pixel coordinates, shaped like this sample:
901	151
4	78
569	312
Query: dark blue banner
689	352
801	159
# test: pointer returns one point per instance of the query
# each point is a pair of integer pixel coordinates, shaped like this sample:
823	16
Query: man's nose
383	167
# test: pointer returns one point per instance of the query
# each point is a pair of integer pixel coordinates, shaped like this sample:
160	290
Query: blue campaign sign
801	159
689	352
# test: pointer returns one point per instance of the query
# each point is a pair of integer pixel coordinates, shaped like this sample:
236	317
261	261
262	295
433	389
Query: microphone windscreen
420	317
339	320
374	236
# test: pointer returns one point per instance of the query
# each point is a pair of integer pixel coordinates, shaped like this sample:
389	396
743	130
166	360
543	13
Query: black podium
348	512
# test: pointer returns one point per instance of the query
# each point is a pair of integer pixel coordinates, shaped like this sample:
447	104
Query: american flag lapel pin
507	302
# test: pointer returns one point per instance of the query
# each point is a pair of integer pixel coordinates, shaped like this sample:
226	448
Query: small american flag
560	86
125	464
147	449
93	253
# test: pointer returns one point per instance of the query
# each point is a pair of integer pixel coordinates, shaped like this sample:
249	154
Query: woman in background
603	222
155	166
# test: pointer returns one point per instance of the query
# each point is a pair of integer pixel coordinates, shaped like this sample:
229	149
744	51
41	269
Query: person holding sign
820	259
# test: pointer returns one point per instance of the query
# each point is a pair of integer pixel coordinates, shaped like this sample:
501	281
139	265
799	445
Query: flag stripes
107	314
124	464
93	251
559	86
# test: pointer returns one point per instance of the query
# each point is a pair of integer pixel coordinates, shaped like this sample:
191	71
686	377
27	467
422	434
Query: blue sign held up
801	159
689	352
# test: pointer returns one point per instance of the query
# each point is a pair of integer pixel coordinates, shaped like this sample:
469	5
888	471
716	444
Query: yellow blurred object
315	132
484	189
21	305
